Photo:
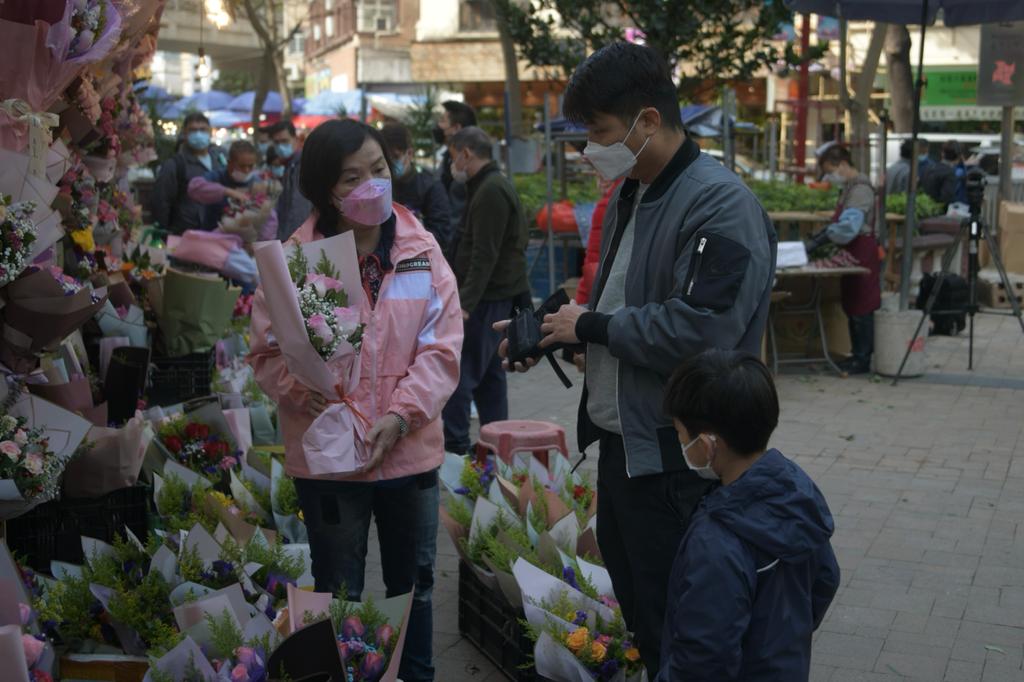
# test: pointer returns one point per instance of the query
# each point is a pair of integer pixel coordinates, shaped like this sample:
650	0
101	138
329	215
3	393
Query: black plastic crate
488	621
53	531
176	380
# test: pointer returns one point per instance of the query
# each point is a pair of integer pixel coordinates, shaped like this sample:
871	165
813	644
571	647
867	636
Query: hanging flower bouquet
81	200
17	232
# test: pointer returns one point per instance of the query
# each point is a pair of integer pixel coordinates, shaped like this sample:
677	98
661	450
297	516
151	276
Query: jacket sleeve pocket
717	268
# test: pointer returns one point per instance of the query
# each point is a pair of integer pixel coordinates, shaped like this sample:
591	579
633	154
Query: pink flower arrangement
330	322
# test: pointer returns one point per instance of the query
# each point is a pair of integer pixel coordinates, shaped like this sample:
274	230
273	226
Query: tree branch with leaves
706	42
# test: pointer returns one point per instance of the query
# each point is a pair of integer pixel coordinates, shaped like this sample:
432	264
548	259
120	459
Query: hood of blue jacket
774	507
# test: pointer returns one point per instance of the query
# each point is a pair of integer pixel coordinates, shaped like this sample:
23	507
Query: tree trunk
508	53
262	86
282	84
901	78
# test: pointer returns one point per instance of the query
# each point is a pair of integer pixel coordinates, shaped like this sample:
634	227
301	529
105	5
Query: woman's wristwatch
403	426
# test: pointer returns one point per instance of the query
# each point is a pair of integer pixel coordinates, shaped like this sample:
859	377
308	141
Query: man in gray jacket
687	264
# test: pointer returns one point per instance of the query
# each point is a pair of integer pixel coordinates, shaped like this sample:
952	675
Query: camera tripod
973	229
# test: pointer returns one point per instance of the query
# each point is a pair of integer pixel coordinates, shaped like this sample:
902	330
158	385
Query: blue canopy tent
922	13
271	105
225	118
328	103
200	101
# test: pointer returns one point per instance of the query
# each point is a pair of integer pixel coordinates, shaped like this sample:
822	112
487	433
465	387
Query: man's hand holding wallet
531	334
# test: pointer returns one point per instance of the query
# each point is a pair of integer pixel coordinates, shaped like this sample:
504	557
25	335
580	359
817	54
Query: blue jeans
481	377
337	515
417	658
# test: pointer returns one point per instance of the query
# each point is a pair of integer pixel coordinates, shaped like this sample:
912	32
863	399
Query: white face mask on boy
705	471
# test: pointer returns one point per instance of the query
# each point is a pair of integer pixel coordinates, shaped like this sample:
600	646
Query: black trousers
640	523
862	337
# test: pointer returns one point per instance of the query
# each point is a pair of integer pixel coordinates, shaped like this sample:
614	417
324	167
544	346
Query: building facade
354	43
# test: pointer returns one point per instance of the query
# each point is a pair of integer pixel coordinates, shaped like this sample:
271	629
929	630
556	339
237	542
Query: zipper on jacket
696	269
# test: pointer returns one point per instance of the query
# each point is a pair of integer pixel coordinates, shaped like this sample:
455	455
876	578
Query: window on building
316	33
376	16
477	15
328	5
329	27
298	43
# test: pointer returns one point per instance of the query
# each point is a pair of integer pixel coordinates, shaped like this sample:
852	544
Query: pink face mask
368	204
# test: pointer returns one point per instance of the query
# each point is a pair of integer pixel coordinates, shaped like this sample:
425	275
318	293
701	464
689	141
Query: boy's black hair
459	113
621	79
907	150
239	147
323	156
194	117
275	128
726	393
475	140
397	137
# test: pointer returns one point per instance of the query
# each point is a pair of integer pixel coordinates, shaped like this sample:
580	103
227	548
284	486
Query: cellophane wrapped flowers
17	232
26	460
324	305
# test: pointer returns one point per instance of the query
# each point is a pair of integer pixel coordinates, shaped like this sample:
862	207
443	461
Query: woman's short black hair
323	155
726	393
621	79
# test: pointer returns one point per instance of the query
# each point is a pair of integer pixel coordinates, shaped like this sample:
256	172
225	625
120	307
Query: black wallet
524	334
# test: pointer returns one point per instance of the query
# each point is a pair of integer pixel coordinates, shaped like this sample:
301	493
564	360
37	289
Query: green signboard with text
950	86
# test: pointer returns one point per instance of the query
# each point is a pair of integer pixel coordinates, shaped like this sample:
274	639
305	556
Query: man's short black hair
194	117
475	140
275	128
397	137
239	147
907	150
726	393
620	80
459	113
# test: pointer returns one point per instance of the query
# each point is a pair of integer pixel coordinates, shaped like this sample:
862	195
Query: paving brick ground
926	482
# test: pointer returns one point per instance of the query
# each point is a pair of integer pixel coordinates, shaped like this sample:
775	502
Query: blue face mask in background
284	149
278	171
263	147
399	168
198	139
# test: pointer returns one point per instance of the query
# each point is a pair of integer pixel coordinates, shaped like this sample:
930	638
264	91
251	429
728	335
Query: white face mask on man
705	472
615	160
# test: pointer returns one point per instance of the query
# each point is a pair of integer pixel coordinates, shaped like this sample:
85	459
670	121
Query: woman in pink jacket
409	368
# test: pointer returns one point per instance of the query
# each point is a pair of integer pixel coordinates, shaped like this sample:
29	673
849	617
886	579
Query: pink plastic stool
509	437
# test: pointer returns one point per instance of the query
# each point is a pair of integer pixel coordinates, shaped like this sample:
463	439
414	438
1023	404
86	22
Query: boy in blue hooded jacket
755	572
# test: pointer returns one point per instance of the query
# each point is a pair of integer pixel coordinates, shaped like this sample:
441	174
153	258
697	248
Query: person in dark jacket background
292	207
755	572
945	182
421	192
455	117
170	204
490	264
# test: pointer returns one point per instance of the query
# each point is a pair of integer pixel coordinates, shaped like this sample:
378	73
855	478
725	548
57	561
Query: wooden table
810	307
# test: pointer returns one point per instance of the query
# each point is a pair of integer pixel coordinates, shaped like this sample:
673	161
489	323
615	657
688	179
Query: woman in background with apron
853	229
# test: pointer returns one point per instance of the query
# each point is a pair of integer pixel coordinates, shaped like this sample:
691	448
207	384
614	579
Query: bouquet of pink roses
314	317
330	322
